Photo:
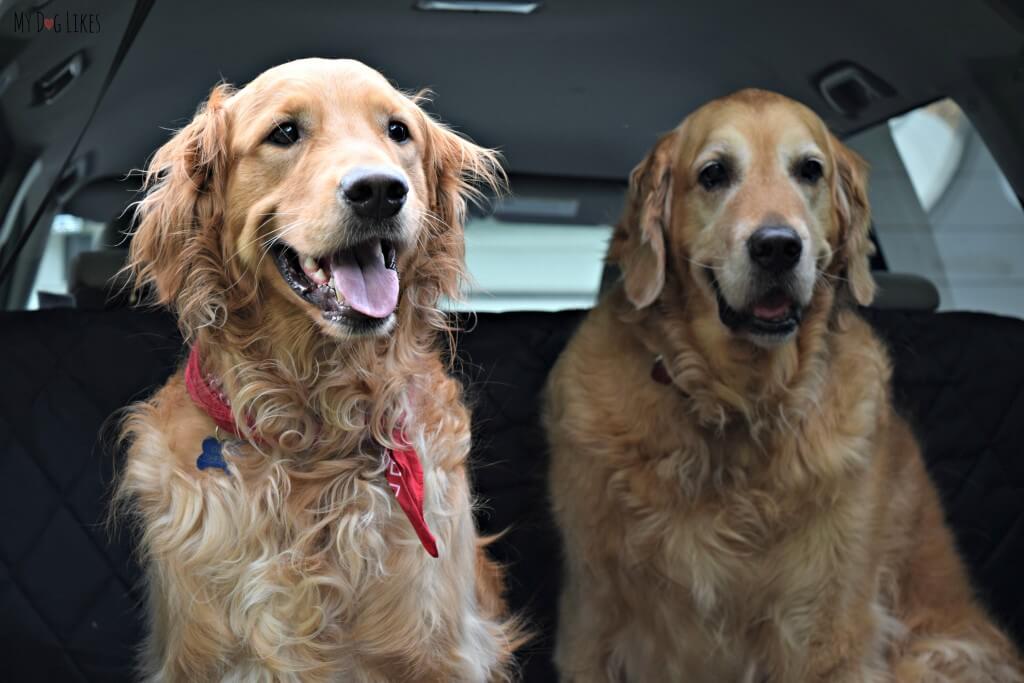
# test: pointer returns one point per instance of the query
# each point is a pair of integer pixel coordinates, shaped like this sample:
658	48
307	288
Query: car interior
573	93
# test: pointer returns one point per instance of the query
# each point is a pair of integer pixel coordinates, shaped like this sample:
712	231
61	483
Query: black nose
775	248
374	193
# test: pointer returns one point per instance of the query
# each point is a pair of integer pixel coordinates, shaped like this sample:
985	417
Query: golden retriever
738	500
275	225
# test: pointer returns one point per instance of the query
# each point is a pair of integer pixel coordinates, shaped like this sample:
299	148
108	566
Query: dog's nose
776	248
373	193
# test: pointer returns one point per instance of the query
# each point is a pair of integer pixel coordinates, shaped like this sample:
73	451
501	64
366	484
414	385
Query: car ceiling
580	89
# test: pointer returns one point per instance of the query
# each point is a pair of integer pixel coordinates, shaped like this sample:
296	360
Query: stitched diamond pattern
69	593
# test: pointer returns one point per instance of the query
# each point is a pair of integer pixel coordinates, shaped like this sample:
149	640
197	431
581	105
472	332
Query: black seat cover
69	593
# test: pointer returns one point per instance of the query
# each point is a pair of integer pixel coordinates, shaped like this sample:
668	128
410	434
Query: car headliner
580	89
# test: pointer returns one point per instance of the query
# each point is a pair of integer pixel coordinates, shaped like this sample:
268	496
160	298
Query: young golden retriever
283	536
737	498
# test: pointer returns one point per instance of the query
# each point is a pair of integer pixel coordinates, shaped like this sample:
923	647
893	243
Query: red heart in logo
48	23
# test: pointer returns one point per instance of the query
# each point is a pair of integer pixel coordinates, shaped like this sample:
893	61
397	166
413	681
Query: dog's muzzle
772	309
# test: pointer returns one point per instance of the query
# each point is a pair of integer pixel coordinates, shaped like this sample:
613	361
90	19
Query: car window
530	266
69	237
943	209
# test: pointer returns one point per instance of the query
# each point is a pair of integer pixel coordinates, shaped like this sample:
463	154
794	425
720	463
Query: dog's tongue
773	307
364	281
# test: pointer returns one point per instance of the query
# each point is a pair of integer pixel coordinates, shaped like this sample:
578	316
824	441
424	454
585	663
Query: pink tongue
366	284
772	308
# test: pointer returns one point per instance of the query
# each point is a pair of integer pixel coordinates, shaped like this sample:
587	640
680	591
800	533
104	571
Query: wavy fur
299	565
768	517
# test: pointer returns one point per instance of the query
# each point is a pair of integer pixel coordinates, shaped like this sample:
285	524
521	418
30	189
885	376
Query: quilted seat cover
69	593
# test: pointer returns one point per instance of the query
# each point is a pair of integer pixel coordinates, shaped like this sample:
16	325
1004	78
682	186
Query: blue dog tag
211	456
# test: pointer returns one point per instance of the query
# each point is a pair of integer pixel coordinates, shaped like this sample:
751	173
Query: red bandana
403	470
405	477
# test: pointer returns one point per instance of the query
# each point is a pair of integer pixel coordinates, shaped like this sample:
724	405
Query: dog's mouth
772	314
357	285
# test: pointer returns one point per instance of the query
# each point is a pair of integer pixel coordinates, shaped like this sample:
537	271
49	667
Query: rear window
530	266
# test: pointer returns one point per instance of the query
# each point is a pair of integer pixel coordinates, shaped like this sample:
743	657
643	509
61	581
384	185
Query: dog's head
303	197
751	206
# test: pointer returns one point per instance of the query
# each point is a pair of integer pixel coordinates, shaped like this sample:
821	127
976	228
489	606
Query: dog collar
207	394
402	468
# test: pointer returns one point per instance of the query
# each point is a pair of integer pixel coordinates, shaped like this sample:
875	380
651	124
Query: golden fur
767	517
300	566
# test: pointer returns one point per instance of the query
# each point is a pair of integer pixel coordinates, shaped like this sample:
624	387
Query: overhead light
477	6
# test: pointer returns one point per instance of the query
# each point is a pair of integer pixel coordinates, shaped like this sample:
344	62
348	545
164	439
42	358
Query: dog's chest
334	544
736	557
711	512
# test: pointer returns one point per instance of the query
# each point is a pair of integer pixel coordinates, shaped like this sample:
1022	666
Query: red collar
206	394
402	467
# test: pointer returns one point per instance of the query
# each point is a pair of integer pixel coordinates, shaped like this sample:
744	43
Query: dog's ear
853	214
638	244
457	172
185	184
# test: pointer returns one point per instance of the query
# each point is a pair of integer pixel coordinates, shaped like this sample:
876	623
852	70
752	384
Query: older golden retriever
737	498
276	224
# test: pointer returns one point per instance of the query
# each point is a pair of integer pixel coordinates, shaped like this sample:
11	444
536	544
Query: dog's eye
398	131
713	176
810	171
284	134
